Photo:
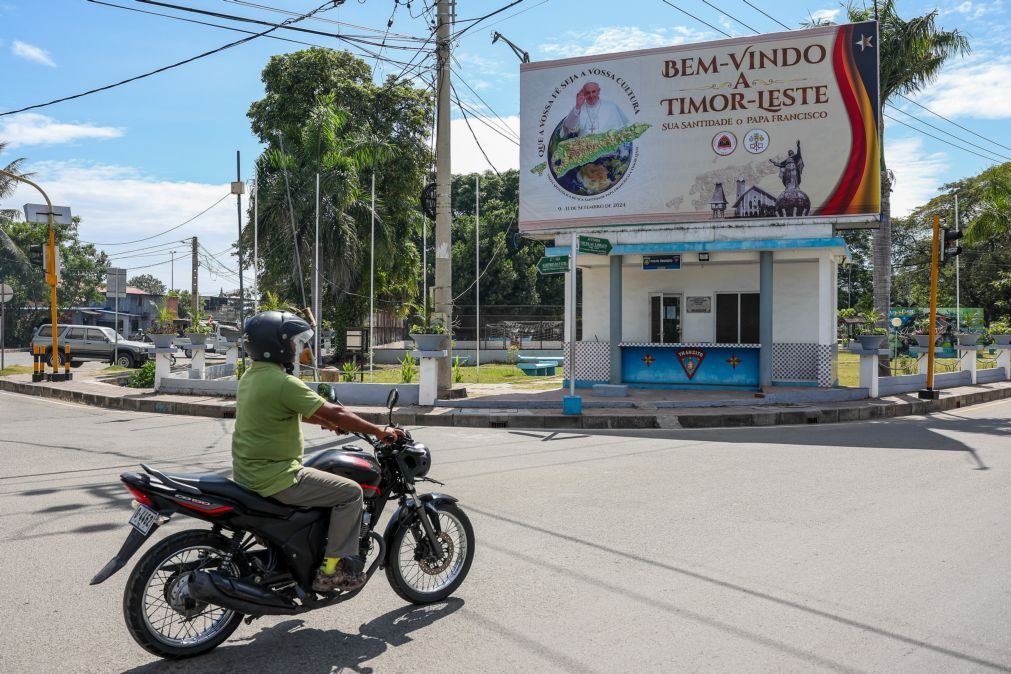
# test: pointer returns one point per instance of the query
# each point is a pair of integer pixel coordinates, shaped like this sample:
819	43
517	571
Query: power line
721	32
898	121
936	114
484	102
731	16
474	22
962	140
398	36
171	229
511	16
168	67
481	119
766	15
479	146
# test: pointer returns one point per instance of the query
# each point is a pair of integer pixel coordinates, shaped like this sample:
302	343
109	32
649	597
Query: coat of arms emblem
691	359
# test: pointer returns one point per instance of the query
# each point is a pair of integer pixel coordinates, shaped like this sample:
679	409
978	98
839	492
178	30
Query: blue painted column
765	318
615	332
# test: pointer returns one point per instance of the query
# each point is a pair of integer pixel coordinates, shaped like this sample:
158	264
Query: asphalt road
870	547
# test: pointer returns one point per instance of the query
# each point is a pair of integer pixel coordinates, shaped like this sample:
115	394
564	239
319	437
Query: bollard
66	363
38	364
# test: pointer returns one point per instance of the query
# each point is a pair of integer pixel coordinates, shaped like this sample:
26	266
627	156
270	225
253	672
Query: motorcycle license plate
143	519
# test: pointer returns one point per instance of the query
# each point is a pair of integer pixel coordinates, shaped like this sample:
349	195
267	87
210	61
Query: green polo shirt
267	442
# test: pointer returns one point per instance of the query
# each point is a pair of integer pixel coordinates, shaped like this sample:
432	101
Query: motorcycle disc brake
433	568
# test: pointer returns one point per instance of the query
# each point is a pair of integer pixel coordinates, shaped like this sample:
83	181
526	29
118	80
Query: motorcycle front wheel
160	614
423	576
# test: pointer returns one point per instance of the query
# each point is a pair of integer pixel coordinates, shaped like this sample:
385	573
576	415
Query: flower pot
967	338
923	341
872	342
428	342
1002	340
162	341
196	338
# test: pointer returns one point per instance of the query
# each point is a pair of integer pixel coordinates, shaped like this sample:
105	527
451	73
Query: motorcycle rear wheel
418	578
160	617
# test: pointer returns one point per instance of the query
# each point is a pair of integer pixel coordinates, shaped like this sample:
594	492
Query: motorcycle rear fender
130	546
403	515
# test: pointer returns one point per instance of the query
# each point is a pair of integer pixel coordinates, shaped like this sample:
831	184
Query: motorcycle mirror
326	392
391	402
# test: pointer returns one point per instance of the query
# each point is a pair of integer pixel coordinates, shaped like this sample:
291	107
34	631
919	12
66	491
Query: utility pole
195	296
238	188
443	192
172	276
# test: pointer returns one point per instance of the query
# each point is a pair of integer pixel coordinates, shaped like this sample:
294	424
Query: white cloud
30	128
977	89
118	203
32	53
465	155
830	15
620	38
918	173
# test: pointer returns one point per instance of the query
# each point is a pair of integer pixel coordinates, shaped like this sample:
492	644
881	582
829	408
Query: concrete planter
428	342
1002	340
196	338
923	341
372	395
967	338
162	341
872	342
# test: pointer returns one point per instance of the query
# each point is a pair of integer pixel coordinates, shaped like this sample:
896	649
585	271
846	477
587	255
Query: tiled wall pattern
593	361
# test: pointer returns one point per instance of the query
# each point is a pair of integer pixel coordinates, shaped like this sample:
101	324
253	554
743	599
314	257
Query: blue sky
138	159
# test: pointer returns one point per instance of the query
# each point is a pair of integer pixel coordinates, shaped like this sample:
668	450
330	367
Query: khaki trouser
318	488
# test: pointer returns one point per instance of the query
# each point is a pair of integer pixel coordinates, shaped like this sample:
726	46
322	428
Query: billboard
783	125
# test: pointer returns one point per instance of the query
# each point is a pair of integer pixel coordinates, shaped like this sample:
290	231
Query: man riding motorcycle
267	443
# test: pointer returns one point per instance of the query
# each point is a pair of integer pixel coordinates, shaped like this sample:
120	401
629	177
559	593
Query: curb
666	419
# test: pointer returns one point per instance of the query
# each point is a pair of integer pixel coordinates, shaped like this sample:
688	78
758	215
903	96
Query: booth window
737	318
664	318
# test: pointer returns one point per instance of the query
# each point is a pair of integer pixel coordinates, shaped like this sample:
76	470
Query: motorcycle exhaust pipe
213	588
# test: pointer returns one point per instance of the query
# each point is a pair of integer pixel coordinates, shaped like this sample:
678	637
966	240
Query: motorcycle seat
213	484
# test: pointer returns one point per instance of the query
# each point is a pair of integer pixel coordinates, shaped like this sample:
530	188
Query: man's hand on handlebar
390	434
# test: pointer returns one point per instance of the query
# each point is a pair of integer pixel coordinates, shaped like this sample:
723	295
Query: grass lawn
16	369
493	373
849	366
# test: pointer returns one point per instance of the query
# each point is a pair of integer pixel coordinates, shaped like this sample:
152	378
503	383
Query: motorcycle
192	590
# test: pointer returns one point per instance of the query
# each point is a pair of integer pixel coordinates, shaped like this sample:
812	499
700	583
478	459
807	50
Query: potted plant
427	330
921	330
872	337
163	331
198	331
1000	331
970	333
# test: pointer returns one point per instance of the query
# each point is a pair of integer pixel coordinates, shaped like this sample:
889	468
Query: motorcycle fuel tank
353	464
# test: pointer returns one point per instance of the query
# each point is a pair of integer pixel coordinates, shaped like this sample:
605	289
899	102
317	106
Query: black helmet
418	460
275	336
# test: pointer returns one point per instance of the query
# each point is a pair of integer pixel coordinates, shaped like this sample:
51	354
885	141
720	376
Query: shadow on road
293	646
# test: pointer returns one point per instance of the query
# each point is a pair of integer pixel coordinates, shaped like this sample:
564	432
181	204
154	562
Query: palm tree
8	185
991	217
911	54
344	156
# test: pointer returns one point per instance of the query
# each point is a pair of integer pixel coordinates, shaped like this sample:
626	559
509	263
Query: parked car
222	338
89	342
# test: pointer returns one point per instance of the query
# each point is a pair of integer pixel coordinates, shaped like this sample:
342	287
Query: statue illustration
792	202
791	168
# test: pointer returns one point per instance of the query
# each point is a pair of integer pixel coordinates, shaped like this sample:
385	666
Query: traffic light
949	244
36	255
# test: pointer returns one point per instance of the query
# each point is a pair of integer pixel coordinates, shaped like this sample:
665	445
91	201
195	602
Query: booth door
665	318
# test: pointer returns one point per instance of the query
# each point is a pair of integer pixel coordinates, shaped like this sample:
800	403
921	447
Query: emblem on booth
733	361
648	359
691	359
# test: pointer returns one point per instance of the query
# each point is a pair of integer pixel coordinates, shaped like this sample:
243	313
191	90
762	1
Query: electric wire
497	116
165	68
171	229
930	135
277	10
731	16
506	18
469	127
948	133
766	15
936	114
476	21
721	32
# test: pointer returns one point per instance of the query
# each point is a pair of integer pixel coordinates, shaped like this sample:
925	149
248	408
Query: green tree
912	53
147	283
330	118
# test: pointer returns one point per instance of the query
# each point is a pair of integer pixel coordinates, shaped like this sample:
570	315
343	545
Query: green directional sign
594	245
553	265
